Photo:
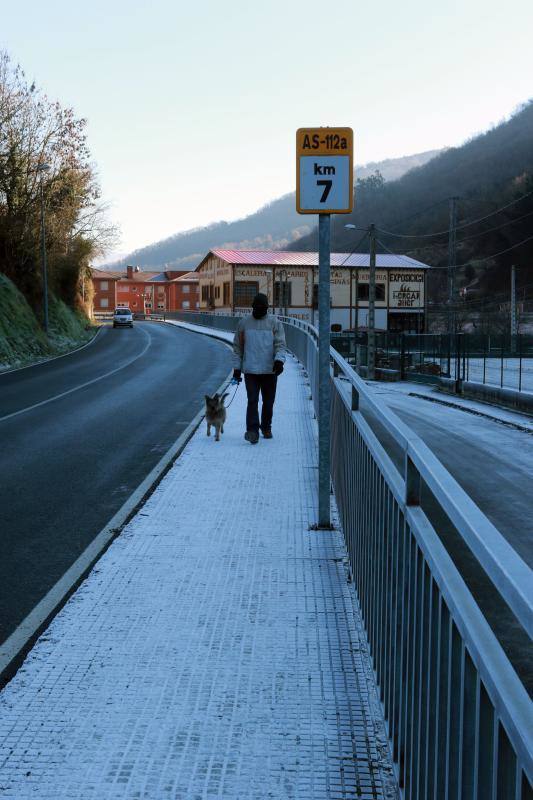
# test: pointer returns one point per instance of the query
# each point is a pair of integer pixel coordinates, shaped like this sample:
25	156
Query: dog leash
234	393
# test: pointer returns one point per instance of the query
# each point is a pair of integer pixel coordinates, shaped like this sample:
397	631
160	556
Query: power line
466	263
493	255
458	227
497	228
403	257
359	243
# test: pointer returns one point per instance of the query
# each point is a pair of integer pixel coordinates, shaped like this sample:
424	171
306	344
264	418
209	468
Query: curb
212	332
15	648
474	411
52	358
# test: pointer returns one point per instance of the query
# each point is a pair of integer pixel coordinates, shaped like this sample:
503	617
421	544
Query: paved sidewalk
215	650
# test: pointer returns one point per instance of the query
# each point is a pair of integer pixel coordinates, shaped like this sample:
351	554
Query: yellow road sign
324	170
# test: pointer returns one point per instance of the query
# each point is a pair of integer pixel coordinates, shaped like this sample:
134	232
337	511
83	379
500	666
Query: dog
215	414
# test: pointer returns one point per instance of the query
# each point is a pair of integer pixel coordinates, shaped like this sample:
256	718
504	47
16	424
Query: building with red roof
229	279
145	292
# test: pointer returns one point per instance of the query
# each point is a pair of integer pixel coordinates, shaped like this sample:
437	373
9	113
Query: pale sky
193	107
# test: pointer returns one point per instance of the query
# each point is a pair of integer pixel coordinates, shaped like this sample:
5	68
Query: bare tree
35	131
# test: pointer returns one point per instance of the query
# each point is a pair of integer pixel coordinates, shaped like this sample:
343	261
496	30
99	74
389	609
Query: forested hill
273	226
489	171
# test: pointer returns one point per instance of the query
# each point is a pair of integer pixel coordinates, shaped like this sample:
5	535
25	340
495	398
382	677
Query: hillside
22	340
275	225
489	171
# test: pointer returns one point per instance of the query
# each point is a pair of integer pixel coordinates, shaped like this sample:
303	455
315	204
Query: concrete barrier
495	395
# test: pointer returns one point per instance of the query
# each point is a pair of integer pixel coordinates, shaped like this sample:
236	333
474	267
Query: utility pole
371	324
451	262
514	327
43	256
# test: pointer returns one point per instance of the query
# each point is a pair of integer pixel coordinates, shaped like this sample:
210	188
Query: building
145	292
183	292
229	279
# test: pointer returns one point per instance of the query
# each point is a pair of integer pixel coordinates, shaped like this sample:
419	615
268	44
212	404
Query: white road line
82	385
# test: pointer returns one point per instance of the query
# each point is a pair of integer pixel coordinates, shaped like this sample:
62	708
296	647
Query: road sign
324	170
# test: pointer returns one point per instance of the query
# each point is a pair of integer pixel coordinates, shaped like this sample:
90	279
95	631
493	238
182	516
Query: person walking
259	352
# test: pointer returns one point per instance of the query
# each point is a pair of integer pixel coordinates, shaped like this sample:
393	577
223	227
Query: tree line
43	147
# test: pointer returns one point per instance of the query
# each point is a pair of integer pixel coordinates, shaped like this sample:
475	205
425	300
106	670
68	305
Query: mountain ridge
273	226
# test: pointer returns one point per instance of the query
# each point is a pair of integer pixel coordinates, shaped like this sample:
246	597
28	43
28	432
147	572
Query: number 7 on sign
327	189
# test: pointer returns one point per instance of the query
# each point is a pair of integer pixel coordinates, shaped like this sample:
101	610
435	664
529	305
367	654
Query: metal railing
459	719
497	359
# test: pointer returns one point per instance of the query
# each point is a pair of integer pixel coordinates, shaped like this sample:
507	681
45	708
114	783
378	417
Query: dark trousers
266	384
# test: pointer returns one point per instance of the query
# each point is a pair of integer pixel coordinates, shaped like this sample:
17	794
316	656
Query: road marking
23	636
82	385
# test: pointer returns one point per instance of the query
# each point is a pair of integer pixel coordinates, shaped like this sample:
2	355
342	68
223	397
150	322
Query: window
206	294
217	292
185	304
160	290
160	305
285	297
123	288
185	288
104	286
245	291
225	300
363	289
133	288
148	305
104	302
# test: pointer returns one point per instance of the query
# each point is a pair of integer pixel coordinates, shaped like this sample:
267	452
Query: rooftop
289	258
189	277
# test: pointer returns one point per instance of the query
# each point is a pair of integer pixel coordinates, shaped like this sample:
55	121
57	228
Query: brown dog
215	414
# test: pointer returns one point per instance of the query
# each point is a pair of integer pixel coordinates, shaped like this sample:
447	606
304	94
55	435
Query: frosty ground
217	648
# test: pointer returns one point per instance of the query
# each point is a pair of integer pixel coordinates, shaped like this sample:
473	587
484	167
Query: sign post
324	186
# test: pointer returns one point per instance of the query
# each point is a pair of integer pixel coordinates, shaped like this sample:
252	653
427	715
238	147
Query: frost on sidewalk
215	650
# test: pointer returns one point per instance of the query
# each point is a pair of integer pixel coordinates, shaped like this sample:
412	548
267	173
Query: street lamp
41	169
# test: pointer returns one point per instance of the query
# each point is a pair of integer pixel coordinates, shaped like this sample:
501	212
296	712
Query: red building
145	292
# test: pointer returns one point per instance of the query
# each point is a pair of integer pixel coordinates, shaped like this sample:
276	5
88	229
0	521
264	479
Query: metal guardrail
460	721
496	360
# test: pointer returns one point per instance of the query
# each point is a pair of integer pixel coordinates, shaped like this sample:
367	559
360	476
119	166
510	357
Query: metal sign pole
324	186
324	392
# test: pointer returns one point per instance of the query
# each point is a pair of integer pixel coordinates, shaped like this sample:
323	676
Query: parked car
122	316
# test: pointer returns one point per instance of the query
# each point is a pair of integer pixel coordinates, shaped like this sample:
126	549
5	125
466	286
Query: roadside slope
22	340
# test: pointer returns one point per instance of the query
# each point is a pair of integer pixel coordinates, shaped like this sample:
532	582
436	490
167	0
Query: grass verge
22	339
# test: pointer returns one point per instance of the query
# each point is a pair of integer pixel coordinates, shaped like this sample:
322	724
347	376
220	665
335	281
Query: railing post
355	399
458	379
412	483
519	362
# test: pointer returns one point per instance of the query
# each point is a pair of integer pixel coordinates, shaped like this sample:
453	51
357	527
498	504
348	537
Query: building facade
145	292
229	279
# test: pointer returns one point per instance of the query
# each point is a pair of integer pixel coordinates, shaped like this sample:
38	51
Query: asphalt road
78	435
493	464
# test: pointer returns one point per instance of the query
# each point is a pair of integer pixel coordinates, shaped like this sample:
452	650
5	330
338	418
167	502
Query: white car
122	316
